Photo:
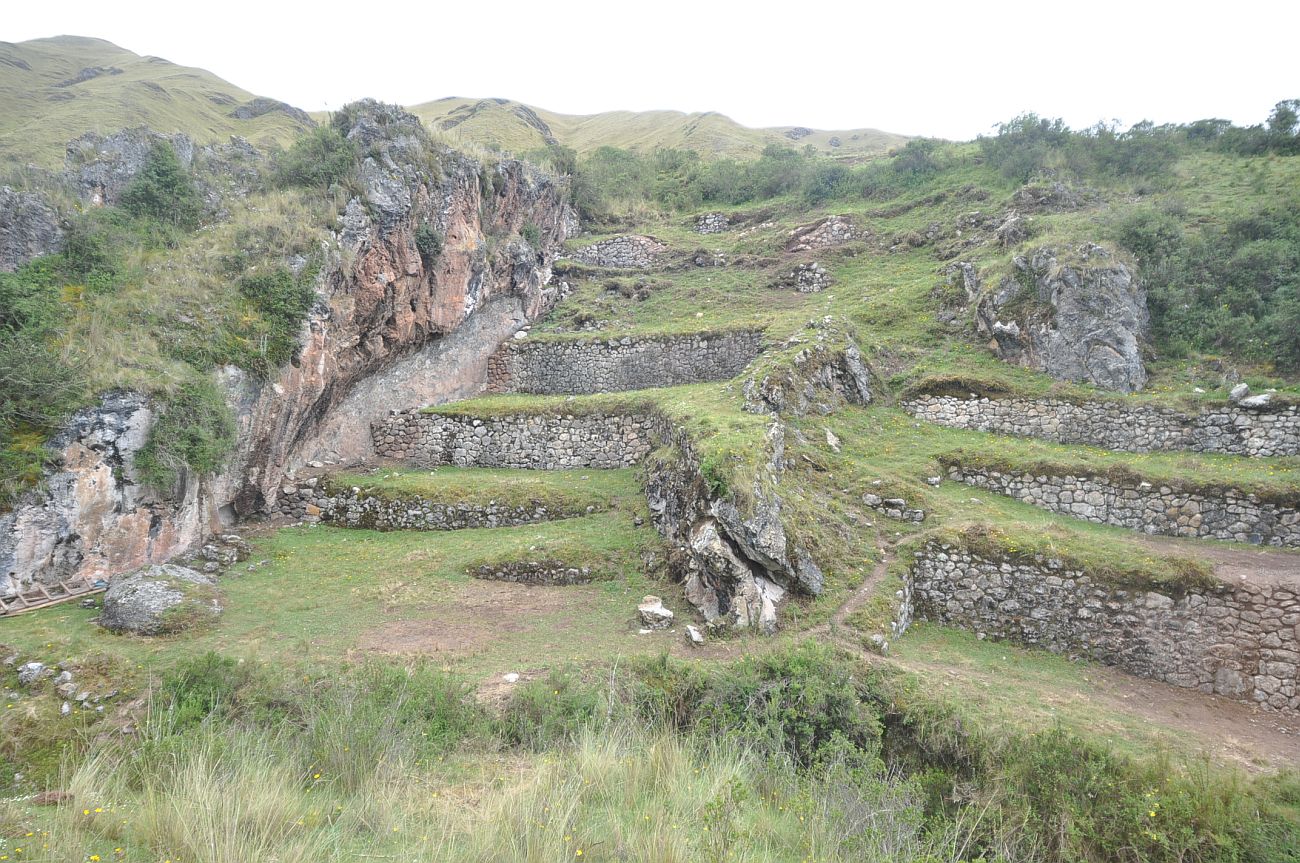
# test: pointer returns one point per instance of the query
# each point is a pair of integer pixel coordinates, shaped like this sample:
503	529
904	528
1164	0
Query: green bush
317	160
192	430
198	687
428	242
549	711
282	300
532	234
164	191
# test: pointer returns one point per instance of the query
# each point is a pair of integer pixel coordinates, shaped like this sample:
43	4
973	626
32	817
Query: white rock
654	614
693	635
1239	392
512	677
831	440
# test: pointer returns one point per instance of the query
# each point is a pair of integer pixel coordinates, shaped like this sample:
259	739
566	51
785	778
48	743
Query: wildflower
578	853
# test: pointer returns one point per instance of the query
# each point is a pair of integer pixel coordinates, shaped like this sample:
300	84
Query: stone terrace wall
546	572
1240	641
536	442
1138	505
1270	431
613	365
632	252
357	509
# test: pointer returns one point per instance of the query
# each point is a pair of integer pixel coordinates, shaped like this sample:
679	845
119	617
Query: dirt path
865	591
1225	730
1262	565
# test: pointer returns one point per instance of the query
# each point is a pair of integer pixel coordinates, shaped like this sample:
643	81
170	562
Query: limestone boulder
161	599
654	614
1077	314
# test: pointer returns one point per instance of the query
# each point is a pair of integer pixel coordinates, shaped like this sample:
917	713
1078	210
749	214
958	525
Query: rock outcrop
381	306
817	374
29	227
1078	315
100	167
160	600
736	567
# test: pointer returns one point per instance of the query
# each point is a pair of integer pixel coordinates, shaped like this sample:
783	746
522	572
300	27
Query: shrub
428	242
317	160
164	191
196	688
549	711
532	234
192	430
282	300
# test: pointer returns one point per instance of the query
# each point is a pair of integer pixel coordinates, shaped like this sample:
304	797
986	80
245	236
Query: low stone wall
582	367
359	509
1266	431
632	252
530	441
546	572
1239	641
1142	506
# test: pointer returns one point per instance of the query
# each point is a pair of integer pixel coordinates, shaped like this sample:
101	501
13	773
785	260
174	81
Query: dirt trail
1262	565
1224	729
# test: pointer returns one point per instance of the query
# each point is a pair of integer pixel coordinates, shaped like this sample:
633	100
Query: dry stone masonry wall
632	252
546	572
1231	429
356	508
583	367
529	441
1155	509
712	223
1241	641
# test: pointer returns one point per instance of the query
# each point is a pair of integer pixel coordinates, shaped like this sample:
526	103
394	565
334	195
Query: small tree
164	191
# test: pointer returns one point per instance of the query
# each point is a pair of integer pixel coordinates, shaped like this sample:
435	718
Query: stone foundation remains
546	573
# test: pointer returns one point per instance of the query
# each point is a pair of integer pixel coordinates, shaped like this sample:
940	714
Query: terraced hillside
903	511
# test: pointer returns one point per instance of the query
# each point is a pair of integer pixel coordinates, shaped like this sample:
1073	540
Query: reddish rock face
423	328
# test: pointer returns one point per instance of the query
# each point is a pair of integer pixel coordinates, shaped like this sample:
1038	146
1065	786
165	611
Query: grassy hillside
516	127
53	90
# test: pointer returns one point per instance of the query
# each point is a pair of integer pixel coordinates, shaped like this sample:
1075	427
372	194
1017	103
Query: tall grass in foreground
617	792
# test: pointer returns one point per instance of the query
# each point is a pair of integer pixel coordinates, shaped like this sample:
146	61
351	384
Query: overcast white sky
923	68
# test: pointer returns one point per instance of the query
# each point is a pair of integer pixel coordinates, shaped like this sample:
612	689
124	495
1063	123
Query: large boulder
1078	315
29	228
159	600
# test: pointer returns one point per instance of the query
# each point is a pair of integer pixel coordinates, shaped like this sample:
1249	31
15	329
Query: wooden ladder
41	596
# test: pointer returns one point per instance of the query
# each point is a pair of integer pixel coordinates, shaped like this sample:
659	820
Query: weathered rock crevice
1078	315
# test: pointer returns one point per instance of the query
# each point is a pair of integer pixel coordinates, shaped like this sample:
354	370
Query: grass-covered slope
53	90
508	125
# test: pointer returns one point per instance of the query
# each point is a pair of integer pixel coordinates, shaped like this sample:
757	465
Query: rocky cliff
1078	315
392	327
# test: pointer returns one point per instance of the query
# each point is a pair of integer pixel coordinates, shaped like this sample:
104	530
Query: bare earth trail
1261	565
